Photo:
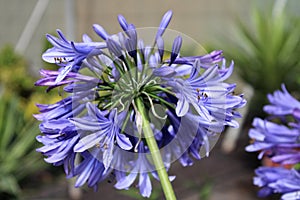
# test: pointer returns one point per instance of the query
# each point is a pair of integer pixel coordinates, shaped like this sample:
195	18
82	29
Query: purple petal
175	48
51	54
83	176
160	46
291	195
86	125
100	31
164	71
123	23
126	181
88	142
183	70
123	142
182	106
257	147
86	38
114	47
63	73
145	185
164	23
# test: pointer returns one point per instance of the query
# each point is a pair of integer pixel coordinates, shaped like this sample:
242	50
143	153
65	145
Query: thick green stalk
156	156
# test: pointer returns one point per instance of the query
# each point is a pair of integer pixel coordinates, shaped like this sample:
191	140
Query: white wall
202	20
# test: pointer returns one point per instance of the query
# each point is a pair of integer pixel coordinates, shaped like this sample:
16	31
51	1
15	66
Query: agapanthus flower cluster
98	124
278	139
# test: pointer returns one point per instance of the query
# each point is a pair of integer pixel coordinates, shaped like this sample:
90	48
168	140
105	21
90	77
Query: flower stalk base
154	150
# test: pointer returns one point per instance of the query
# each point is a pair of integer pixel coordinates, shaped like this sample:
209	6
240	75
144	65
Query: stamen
152	107
59	60
62	134
203	95
137	145
139	125
122	104
105	146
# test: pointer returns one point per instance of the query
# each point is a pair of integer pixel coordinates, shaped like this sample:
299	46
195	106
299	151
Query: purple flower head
282	103
90	171
59	138
186	99
64	109
68	54
104	133
142	167
273	139
281	143
50	78
277	180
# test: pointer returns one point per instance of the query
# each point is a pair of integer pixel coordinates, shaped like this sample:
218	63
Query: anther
105	146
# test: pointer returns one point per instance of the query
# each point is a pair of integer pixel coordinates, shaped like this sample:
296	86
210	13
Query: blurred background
262	37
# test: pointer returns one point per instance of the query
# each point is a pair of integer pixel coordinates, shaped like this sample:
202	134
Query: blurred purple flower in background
100	121
281	144
278	180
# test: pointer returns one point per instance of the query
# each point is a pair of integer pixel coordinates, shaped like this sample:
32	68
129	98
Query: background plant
18	158
266	53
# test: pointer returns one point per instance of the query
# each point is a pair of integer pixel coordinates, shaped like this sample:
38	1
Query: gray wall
202	20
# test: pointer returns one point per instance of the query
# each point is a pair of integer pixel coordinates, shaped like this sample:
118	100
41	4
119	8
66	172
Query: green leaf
10	122
9	185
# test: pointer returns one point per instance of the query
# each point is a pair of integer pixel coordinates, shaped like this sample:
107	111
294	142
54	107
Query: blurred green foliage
14	77
266	53
18	129
17	79
18	158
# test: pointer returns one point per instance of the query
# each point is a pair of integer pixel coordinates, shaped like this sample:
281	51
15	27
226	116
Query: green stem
151	142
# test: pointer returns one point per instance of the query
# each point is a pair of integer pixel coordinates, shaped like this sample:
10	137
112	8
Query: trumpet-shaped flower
280	143
100	120
278	180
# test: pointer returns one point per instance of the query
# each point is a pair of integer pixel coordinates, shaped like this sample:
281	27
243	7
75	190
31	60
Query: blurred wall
200	19
196	18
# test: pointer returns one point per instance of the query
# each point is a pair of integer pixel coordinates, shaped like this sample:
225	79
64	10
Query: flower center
135	83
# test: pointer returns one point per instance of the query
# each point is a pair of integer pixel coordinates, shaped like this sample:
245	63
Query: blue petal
164	71
182	106
96	174
88	142
108	153
257	135
114	47
160	46
85	174
86	125
123	142
86	38
183	70
123	23
51	54
100	31
63	73
164	23
291	195
145	185
258	146
126	181
175	48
